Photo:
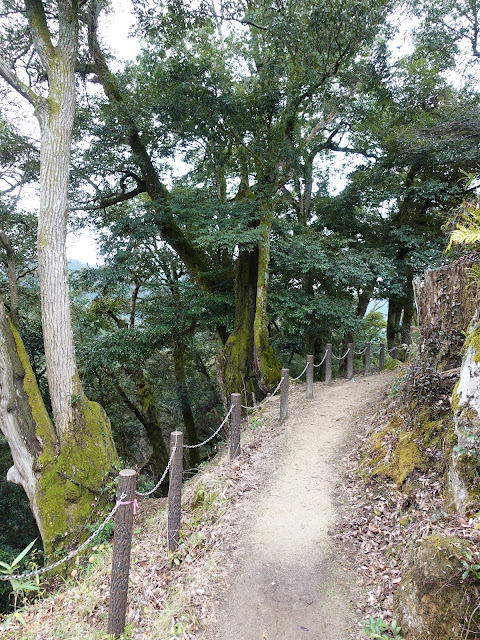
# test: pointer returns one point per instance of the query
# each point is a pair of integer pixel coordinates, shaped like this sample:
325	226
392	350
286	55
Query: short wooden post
367	357
235	419
309	377
175	490
122	544
381	357
395	352
328	364
350	354
284	394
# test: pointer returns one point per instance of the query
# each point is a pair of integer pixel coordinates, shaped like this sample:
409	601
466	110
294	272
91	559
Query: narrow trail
287	583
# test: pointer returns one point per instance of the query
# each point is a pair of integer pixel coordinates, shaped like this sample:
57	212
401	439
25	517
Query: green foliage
378	629
22	588
471	446
467	219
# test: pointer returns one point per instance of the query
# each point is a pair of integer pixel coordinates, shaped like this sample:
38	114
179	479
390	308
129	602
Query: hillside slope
263	519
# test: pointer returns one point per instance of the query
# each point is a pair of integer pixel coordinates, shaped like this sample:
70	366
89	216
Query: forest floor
288	580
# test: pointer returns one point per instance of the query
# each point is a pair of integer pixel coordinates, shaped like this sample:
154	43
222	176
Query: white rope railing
200	444
257	406
341	357
298	377
148	493
322	360
359	353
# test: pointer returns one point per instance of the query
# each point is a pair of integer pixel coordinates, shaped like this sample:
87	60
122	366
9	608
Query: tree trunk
449	322
56	122
445	304
395	307
47	472
236	358
12	277
148	416
266	364
184	401
79	445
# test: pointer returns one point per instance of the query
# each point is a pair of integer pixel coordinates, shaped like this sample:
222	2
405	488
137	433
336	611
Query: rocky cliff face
464	474
449	322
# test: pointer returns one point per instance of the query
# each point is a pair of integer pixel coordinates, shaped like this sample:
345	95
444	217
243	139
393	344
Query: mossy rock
410	446
473	342
432	602
407	458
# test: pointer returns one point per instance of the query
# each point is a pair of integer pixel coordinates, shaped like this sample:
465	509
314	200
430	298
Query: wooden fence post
350	354
175	490
328	364
367	357
235	419
381	357
309	377
284	394
395	352
122	544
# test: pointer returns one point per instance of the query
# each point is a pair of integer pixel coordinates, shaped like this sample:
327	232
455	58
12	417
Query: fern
464	235
467	231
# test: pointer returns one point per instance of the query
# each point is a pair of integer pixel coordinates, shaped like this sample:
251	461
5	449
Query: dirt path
287	583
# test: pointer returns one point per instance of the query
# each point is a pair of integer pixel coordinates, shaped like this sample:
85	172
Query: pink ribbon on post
135	505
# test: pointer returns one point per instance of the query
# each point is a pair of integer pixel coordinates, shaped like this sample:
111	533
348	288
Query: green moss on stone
455	399
409	446
433	601
473	342
407	458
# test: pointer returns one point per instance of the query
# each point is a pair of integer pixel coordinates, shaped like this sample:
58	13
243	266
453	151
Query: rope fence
125	506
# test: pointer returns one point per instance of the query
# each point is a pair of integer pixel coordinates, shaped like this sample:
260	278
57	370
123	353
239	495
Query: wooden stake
175	490
122	543
350	354
309	377
235	419
284	394
328	364
367	357
381	357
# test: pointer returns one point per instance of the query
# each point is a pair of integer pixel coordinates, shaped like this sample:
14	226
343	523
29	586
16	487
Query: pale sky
114	29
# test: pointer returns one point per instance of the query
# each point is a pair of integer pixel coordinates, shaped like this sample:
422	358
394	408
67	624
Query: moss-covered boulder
433	601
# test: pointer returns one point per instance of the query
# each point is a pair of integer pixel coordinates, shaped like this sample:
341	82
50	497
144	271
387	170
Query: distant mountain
76	265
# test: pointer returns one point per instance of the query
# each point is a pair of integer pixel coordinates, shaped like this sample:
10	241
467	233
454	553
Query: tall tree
243	99
52	459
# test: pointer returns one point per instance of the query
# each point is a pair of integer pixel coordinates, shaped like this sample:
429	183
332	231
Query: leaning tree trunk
61	483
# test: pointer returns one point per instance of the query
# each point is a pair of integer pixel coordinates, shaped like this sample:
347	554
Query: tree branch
109	201
39	30
20	87
79	484
12	277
